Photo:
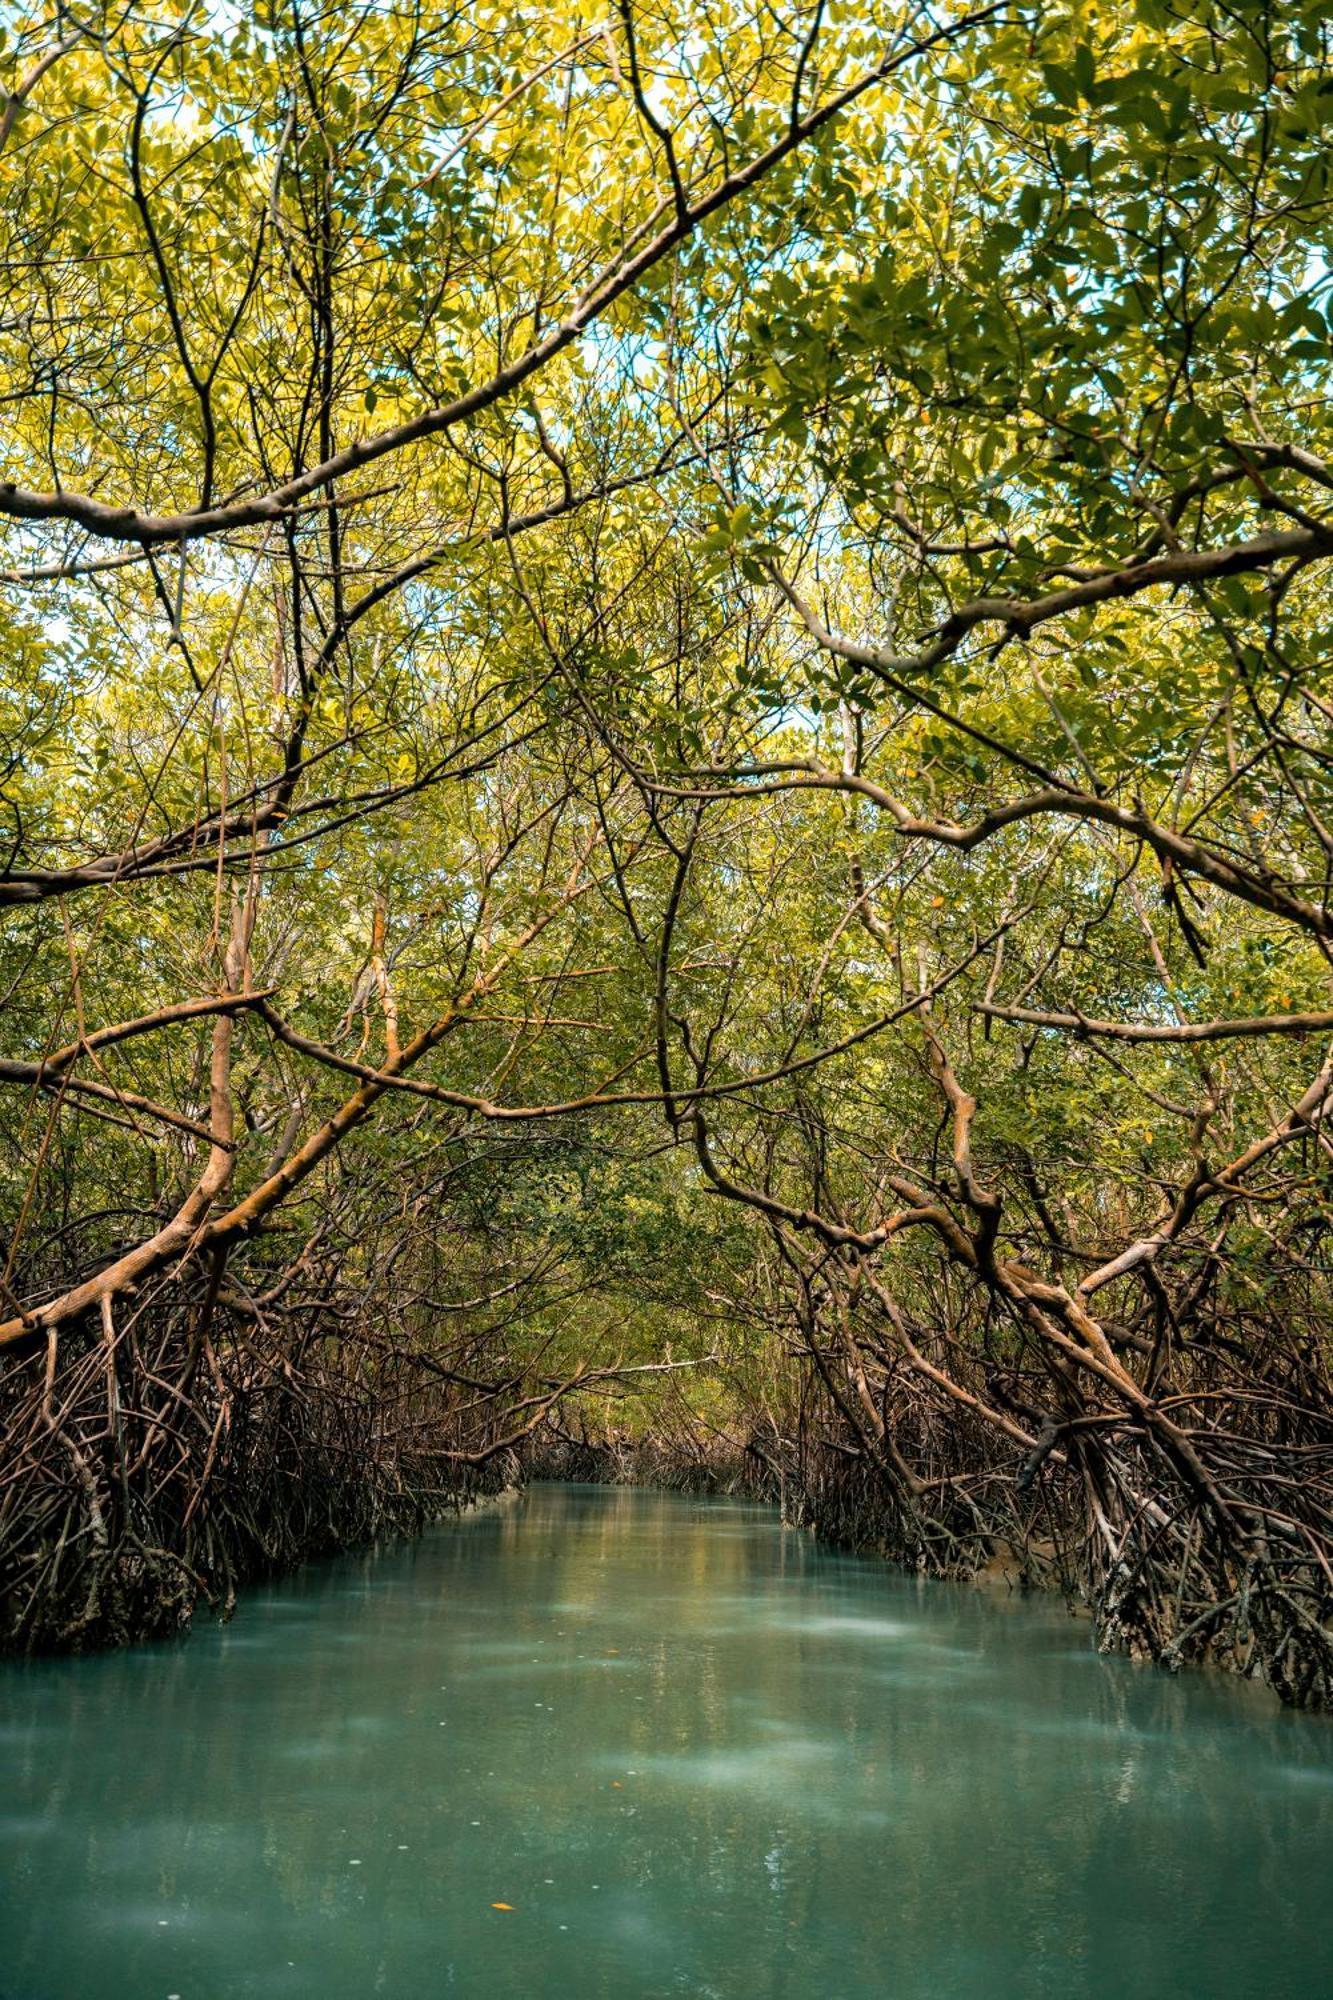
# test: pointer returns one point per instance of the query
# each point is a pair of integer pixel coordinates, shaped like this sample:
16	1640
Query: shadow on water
697	1755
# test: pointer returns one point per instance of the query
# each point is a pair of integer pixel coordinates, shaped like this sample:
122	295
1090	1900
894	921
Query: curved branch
1158	1031
127	524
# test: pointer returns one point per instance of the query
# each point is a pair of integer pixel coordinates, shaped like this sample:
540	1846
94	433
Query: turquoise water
697	1754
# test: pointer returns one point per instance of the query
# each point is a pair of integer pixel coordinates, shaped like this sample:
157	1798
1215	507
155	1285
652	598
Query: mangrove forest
666	820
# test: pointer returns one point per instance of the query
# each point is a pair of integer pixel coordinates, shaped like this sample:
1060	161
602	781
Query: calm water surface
697	1754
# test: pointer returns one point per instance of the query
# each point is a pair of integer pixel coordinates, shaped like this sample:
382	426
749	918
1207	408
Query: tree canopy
665	775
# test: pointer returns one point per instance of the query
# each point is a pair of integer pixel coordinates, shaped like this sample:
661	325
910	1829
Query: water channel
626	1745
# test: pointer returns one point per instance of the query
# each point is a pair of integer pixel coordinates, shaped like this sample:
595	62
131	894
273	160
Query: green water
696	1753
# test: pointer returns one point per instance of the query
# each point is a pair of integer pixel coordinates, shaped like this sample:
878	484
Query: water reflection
696	1754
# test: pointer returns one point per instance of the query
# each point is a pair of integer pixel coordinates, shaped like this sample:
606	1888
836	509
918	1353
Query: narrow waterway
621	1745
